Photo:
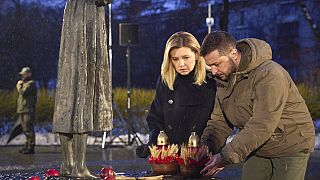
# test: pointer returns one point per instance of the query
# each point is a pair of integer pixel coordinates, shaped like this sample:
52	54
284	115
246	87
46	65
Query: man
256	95
26	107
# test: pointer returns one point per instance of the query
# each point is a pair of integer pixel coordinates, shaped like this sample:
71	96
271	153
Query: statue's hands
100	3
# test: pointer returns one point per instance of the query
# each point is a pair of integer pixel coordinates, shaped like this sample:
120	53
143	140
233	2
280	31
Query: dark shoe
27	151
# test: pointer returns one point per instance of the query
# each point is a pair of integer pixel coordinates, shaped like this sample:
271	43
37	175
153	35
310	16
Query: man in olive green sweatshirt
257	96
26	106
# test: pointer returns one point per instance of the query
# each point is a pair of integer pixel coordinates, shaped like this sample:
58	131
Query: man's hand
20	82
213	166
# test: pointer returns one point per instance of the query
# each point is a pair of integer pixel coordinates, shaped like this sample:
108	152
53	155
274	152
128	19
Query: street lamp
209	19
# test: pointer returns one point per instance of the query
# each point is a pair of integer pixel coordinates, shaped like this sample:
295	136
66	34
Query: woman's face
183	60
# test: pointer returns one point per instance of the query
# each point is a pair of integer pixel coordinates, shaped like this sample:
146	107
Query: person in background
258	96
26	107
184	94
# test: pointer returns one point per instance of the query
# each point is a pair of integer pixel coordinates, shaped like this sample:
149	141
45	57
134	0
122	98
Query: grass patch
311	95
140	103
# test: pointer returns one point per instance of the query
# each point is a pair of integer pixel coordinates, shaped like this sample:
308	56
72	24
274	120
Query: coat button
170	101
301	134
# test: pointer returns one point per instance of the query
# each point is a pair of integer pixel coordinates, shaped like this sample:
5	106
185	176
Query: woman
83	93
184	95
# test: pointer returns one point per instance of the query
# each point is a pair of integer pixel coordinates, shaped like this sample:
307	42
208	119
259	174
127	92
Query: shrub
311	95
140	102
8	104
45	105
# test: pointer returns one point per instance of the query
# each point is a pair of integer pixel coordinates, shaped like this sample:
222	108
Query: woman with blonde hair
184	95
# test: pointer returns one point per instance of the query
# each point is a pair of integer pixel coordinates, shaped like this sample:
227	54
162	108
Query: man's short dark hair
220	40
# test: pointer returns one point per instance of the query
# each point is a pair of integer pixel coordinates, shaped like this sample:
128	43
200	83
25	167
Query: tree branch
309	19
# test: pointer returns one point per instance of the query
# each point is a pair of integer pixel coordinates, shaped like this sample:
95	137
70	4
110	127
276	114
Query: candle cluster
194	156
165	158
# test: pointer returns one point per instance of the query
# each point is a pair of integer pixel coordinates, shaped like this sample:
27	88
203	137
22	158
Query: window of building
288	41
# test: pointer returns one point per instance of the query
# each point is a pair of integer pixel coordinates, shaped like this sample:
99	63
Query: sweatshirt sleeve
270	95
217	130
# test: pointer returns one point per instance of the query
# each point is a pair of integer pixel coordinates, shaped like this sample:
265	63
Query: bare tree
309	19
225	15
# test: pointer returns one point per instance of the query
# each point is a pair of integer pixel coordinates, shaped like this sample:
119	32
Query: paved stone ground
17	166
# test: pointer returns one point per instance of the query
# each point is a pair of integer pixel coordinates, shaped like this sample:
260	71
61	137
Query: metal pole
209	16
128	78
104	137
209	19
128	88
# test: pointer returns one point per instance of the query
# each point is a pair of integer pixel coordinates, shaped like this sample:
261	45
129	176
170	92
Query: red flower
107	173
158	160
51	173
180	161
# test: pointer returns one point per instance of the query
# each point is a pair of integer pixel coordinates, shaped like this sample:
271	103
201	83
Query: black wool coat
182	111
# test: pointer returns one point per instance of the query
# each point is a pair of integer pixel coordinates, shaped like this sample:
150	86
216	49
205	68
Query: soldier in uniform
26	107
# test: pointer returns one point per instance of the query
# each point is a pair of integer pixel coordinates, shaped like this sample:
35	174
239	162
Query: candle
194	140
162	140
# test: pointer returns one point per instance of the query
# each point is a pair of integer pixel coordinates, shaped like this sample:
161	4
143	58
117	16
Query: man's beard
27	78
233	66
232	69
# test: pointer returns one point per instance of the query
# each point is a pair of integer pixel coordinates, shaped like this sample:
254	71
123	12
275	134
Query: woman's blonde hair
178	40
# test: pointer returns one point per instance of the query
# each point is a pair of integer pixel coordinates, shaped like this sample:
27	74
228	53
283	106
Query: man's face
222	66
25	76
183	60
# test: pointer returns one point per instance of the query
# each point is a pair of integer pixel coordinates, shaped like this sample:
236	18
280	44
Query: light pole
209	19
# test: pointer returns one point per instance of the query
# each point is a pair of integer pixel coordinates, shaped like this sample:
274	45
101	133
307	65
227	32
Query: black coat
179	112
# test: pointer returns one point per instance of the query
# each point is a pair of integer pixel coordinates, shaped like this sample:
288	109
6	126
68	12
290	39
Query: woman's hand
143	151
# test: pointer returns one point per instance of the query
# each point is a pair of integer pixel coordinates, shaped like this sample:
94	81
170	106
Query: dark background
30	34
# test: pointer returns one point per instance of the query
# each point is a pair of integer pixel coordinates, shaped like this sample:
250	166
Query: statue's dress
83	101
